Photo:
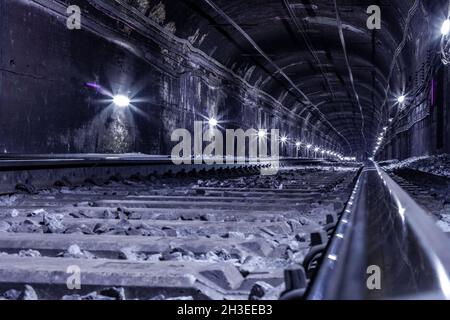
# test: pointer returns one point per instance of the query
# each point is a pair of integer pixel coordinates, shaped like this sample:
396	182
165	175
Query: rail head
385	247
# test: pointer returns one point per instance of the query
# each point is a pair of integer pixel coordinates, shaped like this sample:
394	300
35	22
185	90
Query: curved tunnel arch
274	26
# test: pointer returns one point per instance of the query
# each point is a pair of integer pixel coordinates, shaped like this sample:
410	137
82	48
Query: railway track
385	246
227	234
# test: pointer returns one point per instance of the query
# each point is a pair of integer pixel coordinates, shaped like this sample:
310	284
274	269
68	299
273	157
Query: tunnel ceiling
317	57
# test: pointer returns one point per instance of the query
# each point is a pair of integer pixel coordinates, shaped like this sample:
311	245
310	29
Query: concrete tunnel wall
46	106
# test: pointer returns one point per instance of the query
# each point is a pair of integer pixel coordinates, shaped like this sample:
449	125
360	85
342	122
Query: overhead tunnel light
445	29
262	133
213	122
121	101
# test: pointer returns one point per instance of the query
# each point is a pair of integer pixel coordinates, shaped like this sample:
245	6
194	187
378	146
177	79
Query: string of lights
284	140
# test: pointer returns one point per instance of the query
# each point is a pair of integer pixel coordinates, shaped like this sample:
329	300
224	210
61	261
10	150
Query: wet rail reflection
385	247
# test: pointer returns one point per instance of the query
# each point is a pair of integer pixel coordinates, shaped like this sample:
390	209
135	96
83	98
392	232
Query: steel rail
38	161
42	171
383	228
34	172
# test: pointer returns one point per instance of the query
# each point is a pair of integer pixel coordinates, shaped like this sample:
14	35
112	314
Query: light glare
212	122
121	101
262	133
445	29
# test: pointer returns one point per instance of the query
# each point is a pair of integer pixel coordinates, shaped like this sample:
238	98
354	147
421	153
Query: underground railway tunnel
224	150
